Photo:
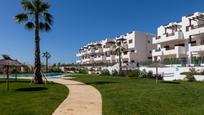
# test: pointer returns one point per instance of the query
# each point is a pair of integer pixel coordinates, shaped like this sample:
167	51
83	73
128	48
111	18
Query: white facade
184	39
138	47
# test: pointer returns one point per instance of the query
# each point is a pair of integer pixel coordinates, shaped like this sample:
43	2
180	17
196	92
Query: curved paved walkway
82	100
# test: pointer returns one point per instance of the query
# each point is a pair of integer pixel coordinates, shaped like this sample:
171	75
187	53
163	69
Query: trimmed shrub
150	74
143	74
55	70
190	78
159	77
105	72
83	71
114	73
133	73
123	74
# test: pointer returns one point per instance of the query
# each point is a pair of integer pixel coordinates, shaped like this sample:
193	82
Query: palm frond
37	4
48	18
30	25
46	54
21	18
42	26
47	27
27	5
44	6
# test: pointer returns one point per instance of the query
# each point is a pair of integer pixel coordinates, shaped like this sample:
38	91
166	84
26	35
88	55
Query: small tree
47	56
119	50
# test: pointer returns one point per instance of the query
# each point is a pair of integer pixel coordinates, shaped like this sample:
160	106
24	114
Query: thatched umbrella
157	65
8	62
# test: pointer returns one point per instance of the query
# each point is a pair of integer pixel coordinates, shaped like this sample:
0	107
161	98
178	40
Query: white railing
197	48
169	37
176	50
100	50
91	51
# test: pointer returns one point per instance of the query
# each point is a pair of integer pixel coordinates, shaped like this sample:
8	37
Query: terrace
196	24
172	33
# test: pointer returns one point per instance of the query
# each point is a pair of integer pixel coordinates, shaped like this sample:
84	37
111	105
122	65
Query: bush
190	77
150	74
55	70
105	72
159	77
114	73
83	71
191	73
123	73
133	73
143	74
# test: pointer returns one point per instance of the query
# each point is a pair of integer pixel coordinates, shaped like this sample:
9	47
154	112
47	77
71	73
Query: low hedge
192	73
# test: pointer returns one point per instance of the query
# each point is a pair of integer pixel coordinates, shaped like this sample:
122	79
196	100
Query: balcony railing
170	34
192	27
198	26
171	48
158	50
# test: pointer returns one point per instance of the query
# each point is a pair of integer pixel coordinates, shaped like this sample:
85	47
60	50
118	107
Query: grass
26	99
126	96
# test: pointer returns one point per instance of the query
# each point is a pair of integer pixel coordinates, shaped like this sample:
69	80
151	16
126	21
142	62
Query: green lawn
26	99
126	96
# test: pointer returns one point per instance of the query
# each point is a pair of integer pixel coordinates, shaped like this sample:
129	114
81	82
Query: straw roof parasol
7	61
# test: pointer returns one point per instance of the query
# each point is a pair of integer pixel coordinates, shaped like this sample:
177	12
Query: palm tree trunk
37	67
120	64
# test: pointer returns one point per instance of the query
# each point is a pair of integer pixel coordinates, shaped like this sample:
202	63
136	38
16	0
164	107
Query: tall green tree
47	56
119	49
36	17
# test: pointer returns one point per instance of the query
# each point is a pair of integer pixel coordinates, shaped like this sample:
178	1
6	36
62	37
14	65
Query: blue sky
78	22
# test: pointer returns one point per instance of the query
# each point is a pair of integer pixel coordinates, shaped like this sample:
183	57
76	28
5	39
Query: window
125	53
150	52
149	57
148	41
132	51
202	42
130	41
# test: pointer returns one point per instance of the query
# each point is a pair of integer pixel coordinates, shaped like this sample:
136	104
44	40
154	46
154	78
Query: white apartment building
138	48
183	39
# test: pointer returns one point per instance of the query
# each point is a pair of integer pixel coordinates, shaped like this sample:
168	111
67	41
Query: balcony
125	46
195	30
86	60
168	37
177	50
102	58
156	52
110	58
78	61
91	51
126	56
79	54
197	48
108	49
99	50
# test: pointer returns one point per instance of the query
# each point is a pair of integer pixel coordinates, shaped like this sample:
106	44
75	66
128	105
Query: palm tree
119	50
47	56
37	17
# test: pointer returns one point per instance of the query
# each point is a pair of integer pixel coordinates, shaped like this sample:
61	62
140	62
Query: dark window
125	53
149	41
132	51
149	57
130	41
